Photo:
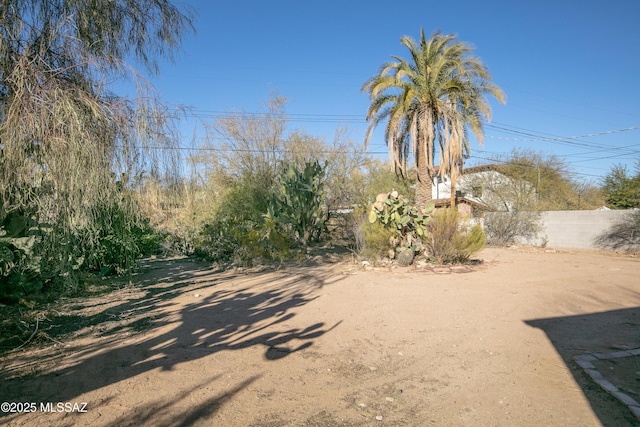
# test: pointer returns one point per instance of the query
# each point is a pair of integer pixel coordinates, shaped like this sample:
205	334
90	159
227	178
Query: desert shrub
37	257
621	189
504	228
449	241
374	240
268	242
218	241
109	241
148	239
239	230
238	210
242	242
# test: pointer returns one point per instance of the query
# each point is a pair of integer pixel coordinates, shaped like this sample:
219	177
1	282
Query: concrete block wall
576	229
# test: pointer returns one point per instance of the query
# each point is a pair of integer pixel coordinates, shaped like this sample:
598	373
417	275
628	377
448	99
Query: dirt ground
338	343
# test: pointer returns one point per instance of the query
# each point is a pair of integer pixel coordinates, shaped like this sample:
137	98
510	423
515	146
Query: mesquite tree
70	148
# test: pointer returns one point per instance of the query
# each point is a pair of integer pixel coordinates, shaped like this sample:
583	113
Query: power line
497	160
533	136
588	135
540	137
524	135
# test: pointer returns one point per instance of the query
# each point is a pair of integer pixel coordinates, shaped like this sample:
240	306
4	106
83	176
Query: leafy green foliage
449	242
38	257
237	212
622	190
549	183
377	178
113	242
19	265
239	231
298	205
218	241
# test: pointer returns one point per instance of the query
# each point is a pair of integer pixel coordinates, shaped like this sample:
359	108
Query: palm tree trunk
424	182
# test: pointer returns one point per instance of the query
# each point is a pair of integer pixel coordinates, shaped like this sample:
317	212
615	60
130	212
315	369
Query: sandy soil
331	344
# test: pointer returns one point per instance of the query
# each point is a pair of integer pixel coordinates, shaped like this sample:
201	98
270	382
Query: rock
379	417
621	347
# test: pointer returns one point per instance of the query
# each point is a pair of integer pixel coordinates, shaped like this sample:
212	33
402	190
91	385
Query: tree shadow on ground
157	280
595	333
188	312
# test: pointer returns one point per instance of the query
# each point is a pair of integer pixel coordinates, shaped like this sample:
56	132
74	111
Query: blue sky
569	68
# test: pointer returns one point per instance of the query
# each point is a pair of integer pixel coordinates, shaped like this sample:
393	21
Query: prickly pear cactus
394	212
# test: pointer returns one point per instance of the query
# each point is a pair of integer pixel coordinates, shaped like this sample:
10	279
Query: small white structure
484	186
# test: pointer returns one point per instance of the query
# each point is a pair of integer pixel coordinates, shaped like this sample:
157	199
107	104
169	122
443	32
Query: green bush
374	240
266	242
114	239
449	242
38	261
238	211
19	265
240	232
218	241
40	257
242	242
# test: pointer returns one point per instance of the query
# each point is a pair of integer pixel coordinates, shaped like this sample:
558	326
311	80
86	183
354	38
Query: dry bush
505	228
622	236
449	241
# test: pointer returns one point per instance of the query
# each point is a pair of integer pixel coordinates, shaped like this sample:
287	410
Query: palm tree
430	102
